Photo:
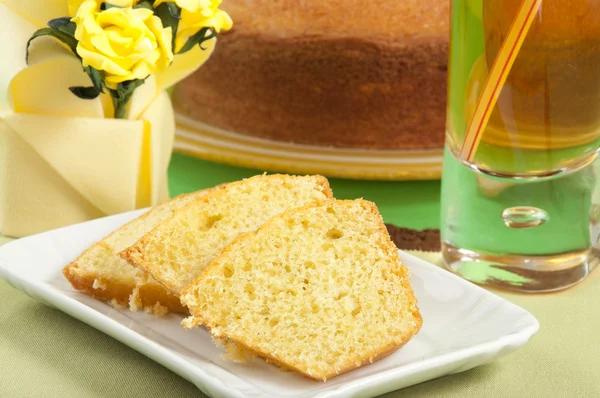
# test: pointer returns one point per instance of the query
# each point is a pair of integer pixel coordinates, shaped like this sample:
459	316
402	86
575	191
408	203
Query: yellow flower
198	14
75	4
125	43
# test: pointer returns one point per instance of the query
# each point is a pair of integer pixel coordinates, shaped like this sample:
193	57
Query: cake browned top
375	19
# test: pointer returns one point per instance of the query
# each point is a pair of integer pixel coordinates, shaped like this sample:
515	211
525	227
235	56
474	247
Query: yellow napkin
62	159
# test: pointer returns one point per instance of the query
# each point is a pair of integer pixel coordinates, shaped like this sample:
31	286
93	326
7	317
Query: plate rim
210	143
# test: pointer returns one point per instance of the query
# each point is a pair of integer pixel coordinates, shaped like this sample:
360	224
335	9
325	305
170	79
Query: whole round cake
365	74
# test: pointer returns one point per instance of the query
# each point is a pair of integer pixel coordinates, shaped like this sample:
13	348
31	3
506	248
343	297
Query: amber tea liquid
547	119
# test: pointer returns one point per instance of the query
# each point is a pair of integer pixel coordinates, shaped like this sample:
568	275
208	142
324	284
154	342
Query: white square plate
464	326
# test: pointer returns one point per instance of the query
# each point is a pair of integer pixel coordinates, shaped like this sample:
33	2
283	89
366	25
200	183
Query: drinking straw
497	77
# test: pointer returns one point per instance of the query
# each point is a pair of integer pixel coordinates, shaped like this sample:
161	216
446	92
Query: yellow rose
125	43
75	4
198	14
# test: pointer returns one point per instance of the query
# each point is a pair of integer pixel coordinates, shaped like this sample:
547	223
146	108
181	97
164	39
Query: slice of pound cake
319	290
101	273
179	249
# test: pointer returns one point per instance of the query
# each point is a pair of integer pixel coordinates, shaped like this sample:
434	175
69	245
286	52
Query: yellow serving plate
209	143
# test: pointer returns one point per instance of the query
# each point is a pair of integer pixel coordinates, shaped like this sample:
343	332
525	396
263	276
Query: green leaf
62	36
128	87
86	93
63	25
170	15
97	78
57	23
144	4
174	10
69	29
198	39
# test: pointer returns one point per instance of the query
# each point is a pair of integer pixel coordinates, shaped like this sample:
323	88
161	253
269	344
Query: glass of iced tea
520	211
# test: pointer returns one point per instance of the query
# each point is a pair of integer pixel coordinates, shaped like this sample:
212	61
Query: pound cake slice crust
319	290
101	273
179	249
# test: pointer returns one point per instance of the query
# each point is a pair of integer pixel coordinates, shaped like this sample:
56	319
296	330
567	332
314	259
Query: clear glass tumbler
520	212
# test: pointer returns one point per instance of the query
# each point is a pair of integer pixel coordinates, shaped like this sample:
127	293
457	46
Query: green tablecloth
44	352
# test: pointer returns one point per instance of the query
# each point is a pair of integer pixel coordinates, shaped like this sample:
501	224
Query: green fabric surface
44	352
412	204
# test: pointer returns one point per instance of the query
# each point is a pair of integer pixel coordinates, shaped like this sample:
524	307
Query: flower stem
122	95
120	107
